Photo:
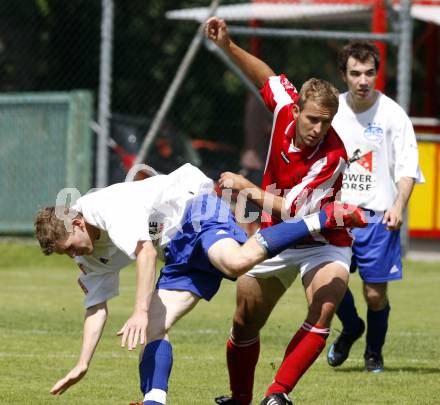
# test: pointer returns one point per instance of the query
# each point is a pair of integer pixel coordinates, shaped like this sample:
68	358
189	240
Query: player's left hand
134	331
393	218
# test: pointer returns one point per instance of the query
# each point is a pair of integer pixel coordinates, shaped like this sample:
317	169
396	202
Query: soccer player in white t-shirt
304	168
179	215
383	167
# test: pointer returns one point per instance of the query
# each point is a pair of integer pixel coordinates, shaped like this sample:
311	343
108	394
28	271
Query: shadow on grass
417	370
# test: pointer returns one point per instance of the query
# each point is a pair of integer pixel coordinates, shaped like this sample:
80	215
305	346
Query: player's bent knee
376	302
376	295
228	256
232	265
237	266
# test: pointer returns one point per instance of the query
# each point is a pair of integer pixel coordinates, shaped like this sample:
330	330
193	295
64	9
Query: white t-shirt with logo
381	147
125	213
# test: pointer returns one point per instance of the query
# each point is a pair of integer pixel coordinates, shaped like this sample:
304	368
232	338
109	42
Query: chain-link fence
214	121
45	146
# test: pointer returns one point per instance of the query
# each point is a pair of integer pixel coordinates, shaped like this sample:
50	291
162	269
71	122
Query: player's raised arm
93	326
255	69
135	329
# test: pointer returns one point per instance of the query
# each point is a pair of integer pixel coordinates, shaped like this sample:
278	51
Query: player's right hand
134	330
234	181
216	30
70	379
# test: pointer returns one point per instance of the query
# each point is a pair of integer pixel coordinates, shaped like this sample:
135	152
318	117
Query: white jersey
126	213
381	147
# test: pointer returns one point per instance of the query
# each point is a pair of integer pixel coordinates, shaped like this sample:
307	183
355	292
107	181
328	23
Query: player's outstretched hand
234	181
134	331
70	379
216	30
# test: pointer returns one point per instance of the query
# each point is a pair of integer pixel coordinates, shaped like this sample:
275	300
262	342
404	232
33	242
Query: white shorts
288	263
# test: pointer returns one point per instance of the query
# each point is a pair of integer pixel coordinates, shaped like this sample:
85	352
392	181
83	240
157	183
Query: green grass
41	325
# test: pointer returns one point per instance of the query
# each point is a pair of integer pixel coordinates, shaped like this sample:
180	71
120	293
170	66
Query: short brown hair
359	50
321	92
49	229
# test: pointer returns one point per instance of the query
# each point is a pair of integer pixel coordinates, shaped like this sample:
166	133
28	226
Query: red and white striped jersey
308	178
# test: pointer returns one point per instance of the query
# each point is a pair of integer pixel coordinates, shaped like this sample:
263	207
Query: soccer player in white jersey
383	167
201	243
304	168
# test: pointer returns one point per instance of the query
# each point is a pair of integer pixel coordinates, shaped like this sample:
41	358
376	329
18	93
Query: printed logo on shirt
83	287
366	160
155	229
286	84
359	175
285	157
221	232
374	133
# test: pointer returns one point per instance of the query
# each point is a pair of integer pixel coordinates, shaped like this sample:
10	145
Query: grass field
41	324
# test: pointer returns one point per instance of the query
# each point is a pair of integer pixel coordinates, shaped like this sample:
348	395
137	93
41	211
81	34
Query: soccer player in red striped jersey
305	163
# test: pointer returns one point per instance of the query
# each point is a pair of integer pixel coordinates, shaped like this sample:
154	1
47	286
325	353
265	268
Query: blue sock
281	236
155	368
377	329
348	315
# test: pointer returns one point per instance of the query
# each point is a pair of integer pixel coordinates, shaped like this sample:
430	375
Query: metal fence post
104	102
404	69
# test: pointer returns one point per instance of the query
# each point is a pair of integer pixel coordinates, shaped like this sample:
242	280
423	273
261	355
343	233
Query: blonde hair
321	92
49	229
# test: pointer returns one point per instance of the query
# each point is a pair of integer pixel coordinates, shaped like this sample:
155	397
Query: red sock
302	351
242	360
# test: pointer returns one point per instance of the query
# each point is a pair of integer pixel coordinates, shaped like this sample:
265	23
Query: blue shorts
187	266
376	253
